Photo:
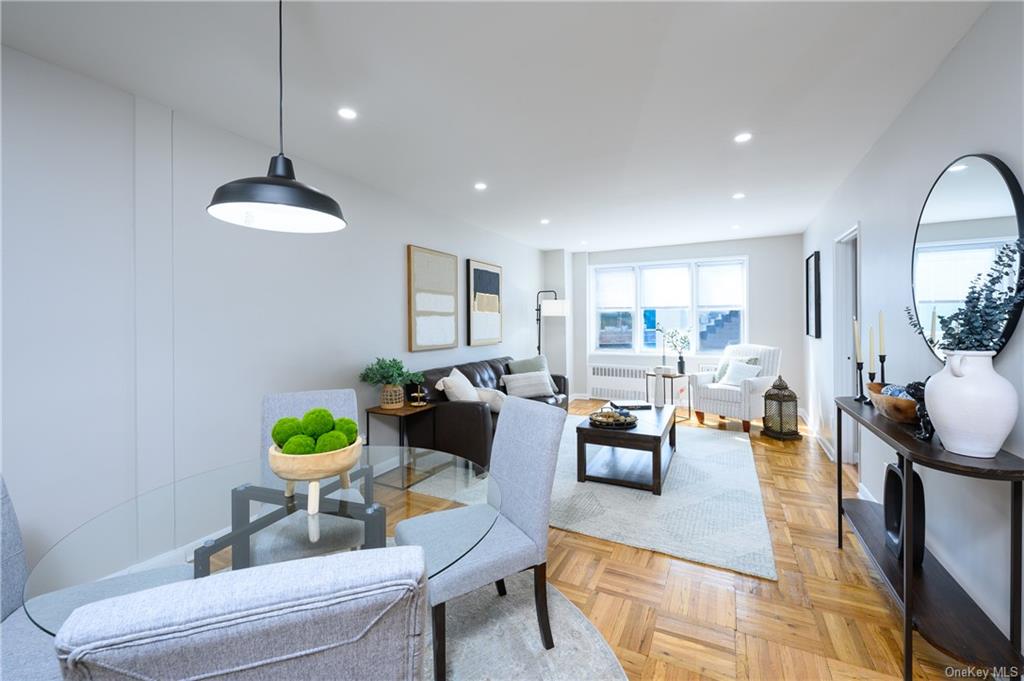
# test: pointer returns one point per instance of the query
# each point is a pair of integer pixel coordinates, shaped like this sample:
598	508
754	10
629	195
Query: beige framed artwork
433	287
483	288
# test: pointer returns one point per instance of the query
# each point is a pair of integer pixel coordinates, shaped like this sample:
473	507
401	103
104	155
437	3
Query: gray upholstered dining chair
27	651
523	459
354	615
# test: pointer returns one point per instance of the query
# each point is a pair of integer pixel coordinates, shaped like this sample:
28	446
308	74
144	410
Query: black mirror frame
1017	196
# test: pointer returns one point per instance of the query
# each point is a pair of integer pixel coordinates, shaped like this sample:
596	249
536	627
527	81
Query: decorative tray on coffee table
612	419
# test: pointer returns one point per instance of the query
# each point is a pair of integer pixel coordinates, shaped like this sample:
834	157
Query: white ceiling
614	120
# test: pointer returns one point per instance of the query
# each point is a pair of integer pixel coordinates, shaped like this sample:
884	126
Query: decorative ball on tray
893	402
612	419
312	448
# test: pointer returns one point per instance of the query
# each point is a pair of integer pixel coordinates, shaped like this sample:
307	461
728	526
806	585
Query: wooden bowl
893	408
313	467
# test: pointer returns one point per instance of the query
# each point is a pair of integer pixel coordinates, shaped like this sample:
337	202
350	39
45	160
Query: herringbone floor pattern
828	617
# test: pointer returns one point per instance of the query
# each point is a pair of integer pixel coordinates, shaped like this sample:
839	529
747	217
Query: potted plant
312	448
679	341
391	375
972	407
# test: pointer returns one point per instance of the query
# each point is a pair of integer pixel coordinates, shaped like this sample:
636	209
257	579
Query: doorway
846	308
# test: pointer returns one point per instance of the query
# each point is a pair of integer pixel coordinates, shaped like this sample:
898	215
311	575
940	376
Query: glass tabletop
237	517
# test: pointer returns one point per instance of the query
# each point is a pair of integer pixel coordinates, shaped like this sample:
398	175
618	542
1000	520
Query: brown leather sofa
467	428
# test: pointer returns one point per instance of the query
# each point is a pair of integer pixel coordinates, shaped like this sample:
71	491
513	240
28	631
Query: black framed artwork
812	295
484	299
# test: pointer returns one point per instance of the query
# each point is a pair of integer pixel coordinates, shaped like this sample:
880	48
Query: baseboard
863	493
826	445
579	396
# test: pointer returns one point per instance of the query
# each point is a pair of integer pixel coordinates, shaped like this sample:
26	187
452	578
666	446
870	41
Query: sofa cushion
493	397
720	392
531	364
532	384
457	387
738	372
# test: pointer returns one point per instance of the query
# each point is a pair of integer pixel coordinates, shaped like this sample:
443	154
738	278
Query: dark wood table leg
908	569
1016	509
581	459
839	477
656	468
672	432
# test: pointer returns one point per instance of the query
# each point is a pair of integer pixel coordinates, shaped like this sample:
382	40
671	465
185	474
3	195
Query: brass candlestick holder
417	397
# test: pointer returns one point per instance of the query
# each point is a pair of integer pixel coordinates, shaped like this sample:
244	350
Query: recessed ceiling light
545	221
480	186
957	168
347	113
743	138
735	226
739	195
583	243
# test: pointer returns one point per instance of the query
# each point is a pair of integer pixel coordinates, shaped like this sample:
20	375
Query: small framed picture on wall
484	302
812	295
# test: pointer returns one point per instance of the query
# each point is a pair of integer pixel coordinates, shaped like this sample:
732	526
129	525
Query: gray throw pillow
531	365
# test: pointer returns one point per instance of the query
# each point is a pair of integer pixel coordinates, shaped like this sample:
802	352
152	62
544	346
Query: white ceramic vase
972	407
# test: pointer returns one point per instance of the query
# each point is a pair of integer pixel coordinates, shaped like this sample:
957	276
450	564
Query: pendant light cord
280	74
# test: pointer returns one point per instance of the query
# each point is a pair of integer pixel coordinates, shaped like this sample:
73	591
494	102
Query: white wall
973	104
141	334
774	300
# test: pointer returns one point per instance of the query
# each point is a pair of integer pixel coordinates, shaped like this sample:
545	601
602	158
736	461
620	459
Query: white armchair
745	401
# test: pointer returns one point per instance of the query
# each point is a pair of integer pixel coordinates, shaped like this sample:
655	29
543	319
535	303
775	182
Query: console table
931	600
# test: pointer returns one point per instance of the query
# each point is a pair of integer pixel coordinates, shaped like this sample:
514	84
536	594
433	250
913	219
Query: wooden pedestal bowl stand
313	468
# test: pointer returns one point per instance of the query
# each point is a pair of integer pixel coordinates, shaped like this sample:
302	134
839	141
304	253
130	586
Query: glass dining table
236	517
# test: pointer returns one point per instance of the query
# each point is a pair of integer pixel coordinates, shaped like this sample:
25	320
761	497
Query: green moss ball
316	422
347	426
299	444
284	429
330	441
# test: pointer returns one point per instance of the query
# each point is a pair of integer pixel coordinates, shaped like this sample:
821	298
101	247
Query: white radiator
615	382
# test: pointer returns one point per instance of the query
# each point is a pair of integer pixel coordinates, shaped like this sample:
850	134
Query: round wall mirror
974	208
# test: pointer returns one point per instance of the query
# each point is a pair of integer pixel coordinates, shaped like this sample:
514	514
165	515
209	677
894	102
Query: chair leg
501	587
746	426
437	624
540	596
700	417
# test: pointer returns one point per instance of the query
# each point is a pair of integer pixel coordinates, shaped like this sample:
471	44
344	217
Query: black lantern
780	412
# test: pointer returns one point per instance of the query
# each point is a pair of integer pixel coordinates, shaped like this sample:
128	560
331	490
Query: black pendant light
277	202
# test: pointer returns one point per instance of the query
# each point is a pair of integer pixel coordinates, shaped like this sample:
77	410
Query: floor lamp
552	307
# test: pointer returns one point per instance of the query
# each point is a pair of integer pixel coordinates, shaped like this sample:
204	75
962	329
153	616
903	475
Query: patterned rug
710	510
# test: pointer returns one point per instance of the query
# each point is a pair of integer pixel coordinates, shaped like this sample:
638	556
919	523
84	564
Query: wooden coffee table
637	458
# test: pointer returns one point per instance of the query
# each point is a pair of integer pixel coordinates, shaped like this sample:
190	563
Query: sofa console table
931	600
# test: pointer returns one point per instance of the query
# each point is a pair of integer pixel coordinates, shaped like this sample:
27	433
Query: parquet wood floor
828	617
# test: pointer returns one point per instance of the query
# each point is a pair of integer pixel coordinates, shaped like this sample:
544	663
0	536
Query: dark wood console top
1003	466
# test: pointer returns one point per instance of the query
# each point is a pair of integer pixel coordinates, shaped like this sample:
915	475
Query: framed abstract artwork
433	289
483	283
812	295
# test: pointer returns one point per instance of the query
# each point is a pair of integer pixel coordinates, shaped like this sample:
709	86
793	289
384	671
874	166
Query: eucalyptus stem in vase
972	407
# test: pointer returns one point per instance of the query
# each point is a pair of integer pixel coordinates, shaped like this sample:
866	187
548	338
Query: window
614	300
706	299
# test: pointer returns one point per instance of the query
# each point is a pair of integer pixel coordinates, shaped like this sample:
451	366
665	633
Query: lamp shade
277	202
554	308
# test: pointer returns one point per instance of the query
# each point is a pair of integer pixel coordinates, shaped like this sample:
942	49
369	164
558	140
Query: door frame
846	251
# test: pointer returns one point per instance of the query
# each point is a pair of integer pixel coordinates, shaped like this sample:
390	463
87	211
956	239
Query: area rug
710	510
497	638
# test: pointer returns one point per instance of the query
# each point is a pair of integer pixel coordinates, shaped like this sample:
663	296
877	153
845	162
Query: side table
402	413
670	380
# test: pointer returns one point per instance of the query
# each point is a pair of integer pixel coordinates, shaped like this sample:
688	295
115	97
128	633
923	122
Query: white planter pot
972	407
